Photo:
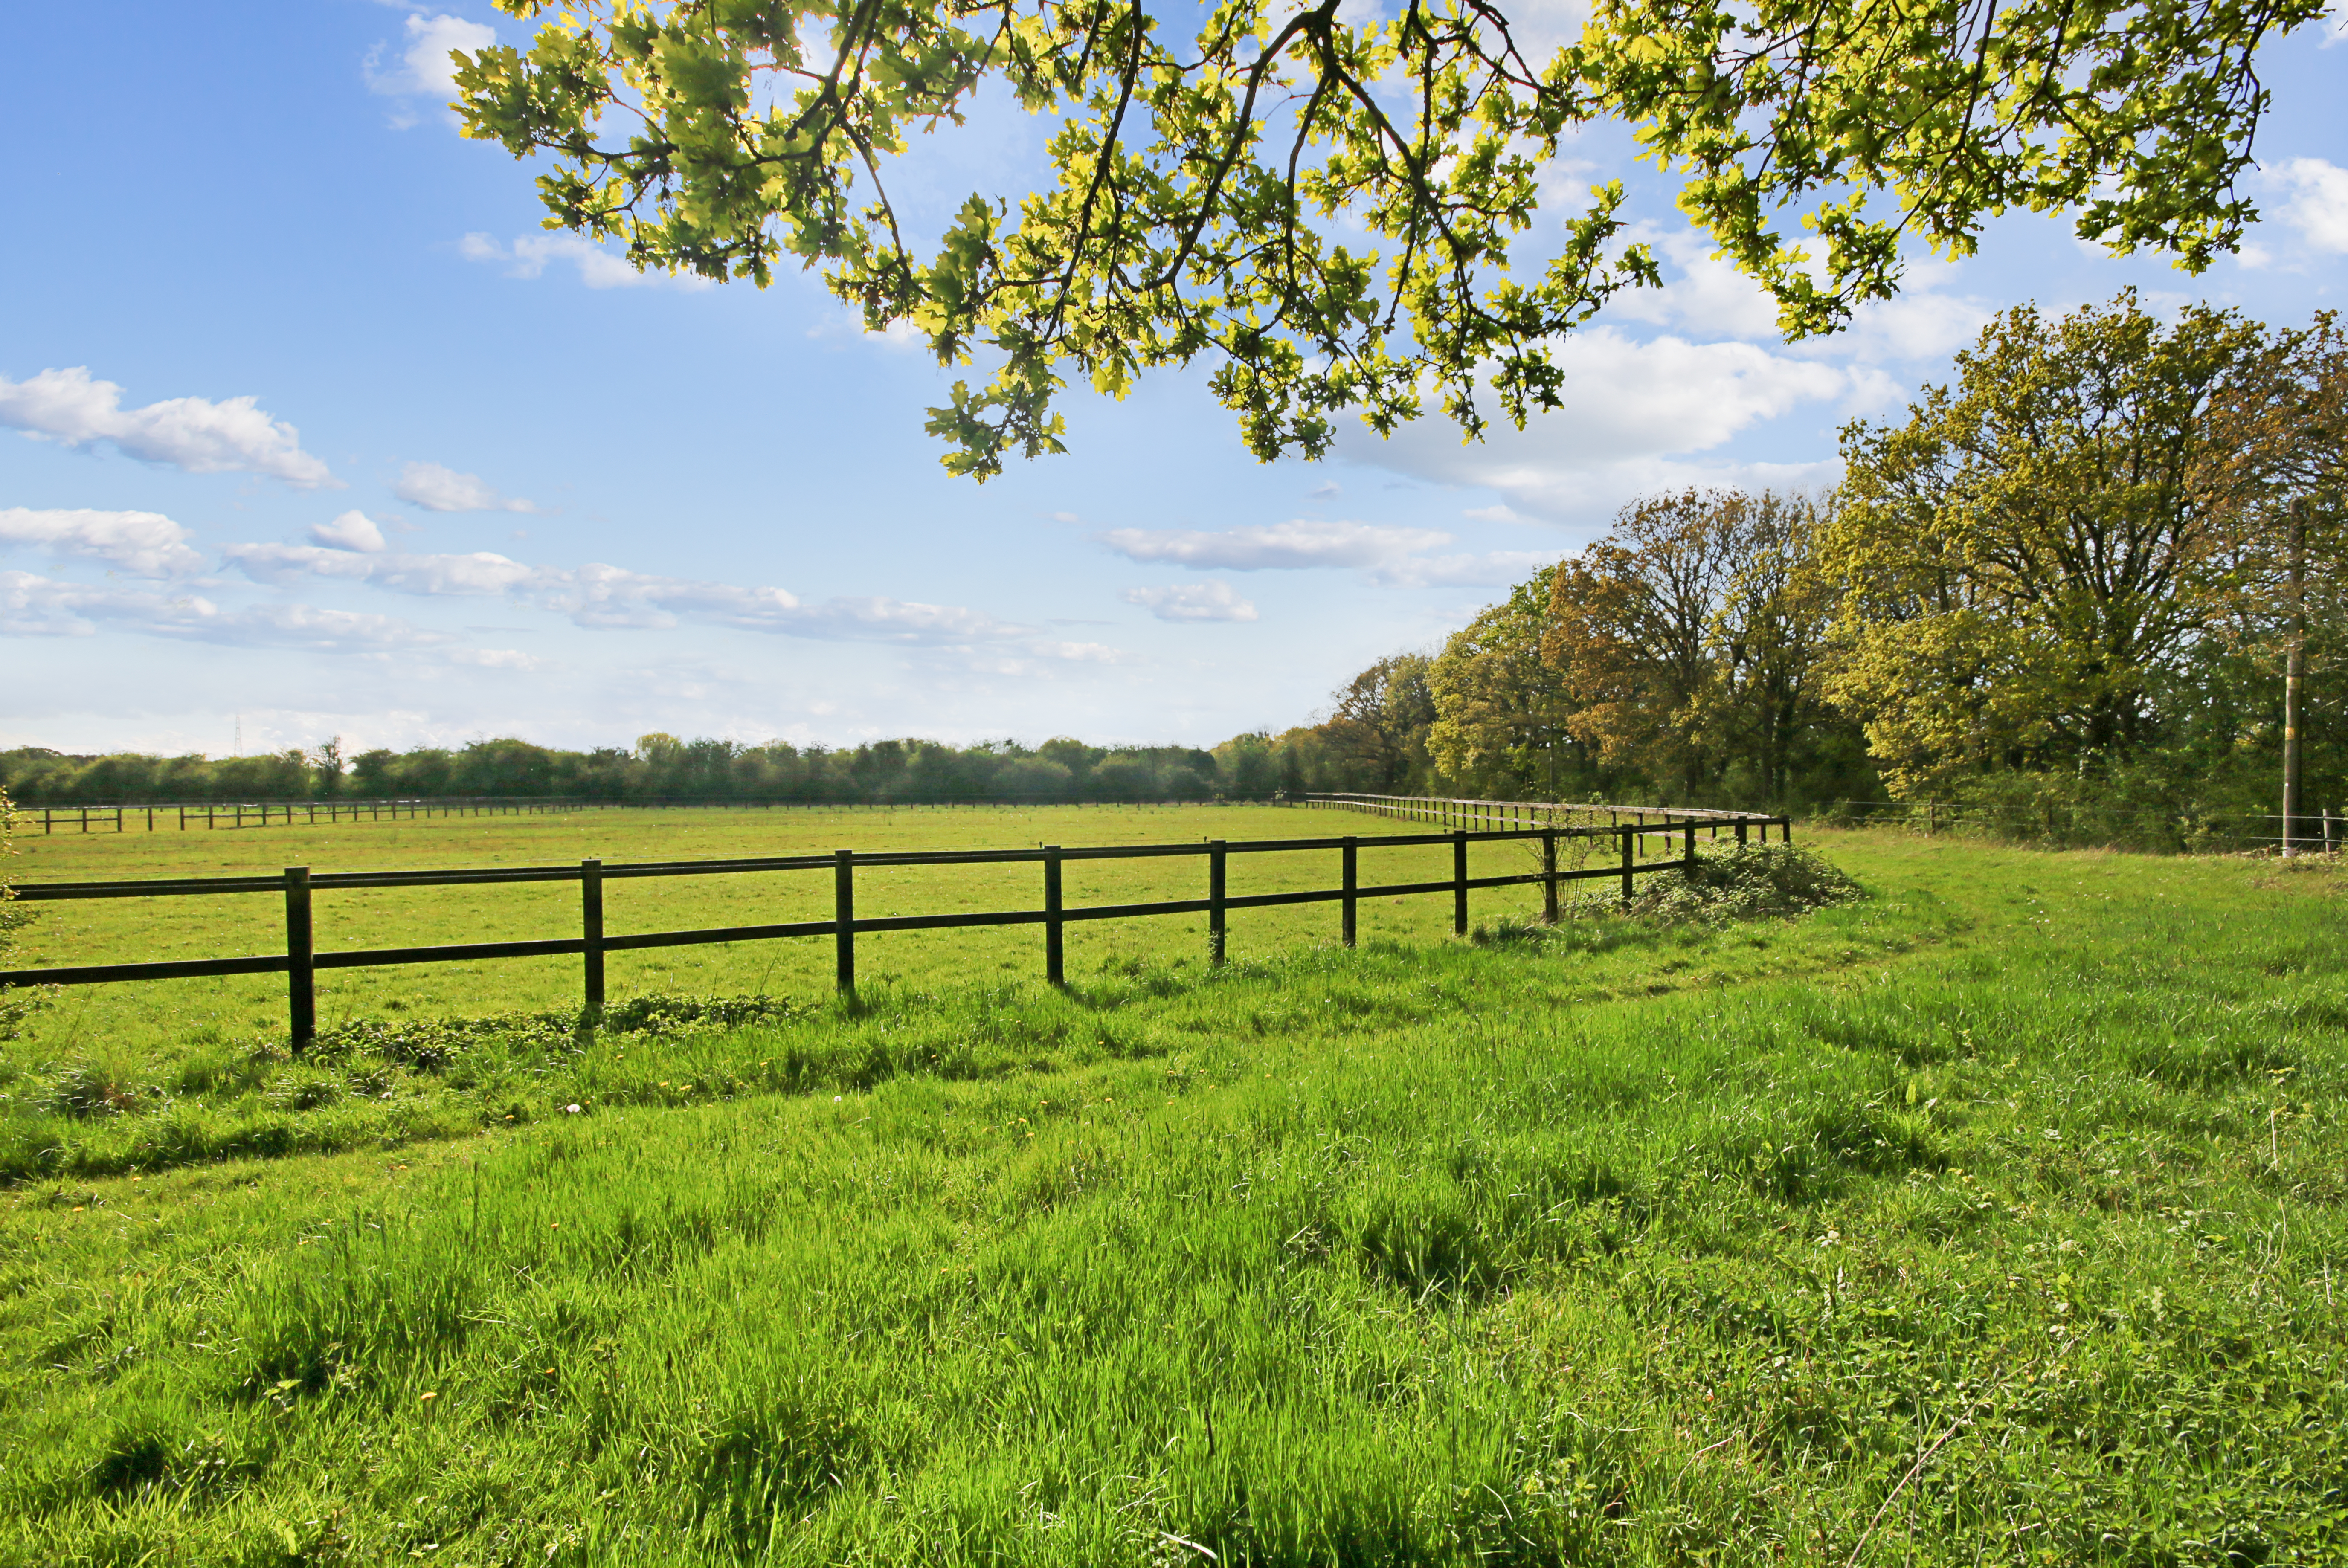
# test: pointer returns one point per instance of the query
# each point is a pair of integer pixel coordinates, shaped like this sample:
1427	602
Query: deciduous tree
1200	187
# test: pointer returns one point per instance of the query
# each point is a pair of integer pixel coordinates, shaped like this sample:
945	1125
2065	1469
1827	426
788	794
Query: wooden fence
1526	814
301	961
212	813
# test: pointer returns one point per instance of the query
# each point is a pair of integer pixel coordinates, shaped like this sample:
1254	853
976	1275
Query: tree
1378	730
1630	635
2031	567
1200	188
1503	718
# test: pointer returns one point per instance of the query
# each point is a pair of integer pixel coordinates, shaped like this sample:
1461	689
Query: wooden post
1628	833
1460	883
1688	853
1548	877
591	926
1215	896
300	969
1348	861
843	914
1740	833
2295	671
1055	972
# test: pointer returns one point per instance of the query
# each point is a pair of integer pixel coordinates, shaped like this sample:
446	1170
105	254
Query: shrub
1749	883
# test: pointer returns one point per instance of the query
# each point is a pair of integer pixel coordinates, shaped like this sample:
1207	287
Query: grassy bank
1997	1218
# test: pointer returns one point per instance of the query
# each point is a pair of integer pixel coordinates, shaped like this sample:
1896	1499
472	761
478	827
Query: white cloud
352	530
528	257
194	434
1629	410
1299	543
39	605
1192	601
1493	568
495	658
603	597
2318	207
144	543
440	489
1501	514
1709	296
423	66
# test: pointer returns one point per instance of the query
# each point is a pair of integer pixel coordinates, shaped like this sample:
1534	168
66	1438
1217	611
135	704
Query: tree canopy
1201	185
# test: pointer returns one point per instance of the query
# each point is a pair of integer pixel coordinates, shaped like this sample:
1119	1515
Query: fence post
1460	883
1740	833
1350	858
1548	877
1215	896
1688	849
301	967
843	914
1053	952
590	928
1628	833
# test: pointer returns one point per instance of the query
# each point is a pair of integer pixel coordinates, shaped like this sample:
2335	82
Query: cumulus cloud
1631	410
2318	200
39	606
144	543
437	488
1271	547
201	437
528	257
1192	601
352	530
422	65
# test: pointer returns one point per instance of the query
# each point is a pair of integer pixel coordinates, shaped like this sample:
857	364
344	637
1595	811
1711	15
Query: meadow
1996	1217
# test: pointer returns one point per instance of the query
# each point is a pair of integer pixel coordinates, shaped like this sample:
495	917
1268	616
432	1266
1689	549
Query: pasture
1996	1218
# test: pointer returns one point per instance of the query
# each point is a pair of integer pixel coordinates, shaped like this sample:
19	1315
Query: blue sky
307	429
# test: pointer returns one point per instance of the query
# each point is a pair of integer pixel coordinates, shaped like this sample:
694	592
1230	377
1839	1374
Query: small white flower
835	1099
573	1110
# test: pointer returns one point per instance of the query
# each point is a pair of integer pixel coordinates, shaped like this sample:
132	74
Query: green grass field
132	930
1996	1218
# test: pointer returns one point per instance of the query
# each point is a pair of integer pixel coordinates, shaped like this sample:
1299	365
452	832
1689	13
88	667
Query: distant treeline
658	767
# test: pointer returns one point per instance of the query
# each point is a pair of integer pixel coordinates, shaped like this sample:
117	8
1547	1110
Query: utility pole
2294	670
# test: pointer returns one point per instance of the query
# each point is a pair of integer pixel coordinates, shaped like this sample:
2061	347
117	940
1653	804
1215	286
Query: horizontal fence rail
219	814
298	884
1459	812
119	817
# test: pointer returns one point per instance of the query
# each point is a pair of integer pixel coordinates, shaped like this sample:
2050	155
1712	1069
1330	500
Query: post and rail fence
301	960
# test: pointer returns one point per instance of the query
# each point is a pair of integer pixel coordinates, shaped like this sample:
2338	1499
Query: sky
309	430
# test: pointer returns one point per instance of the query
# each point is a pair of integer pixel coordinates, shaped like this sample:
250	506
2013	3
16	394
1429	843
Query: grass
1996	1218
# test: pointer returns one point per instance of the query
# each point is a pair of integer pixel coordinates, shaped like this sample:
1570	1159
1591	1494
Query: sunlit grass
1996	1219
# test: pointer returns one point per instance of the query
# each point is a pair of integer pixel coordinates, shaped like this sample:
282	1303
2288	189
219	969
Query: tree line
658	767
2062	593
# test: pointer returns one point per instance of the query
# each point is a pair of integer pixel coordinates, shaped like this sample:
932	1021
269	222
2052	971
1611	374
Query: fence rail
218	813
298	886
1459	811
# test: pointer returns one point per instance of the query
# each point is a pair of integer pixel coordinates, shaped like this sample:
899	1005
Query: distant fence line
301	961
1460	811
285	813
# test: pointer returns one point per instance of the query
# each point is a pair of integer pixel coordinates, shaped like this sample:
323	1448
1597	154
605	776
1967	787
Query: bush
1750	883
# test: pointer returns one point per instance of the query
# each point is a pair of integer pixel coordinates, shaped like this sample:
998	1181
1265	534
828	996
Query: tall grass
2004	1224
